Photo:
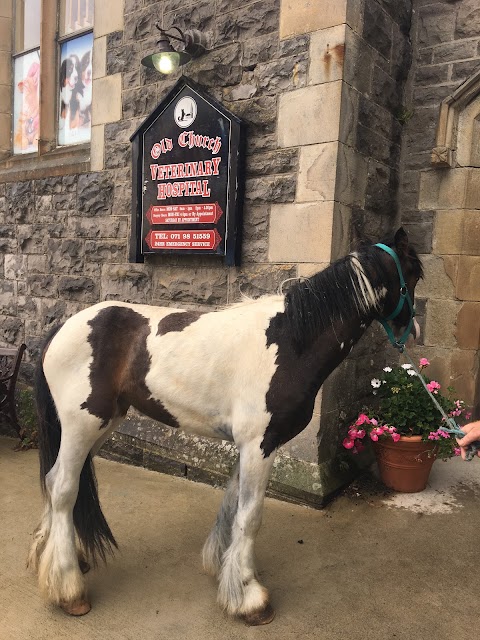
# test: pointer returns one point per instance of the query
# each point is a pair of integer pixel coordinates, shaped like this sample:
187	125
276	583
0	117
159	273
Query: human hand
472	432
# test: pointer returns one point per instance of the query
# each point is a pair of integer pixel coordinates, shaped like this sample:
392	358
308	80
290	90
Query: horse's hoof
76	608
84	566
263	616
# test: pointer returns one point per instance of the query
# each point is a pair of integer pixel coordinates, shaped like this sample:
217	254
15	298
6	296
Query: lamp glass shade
166	62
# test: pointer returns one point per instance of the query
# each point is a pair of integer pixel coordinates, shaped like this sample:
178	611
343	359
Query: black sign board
187	178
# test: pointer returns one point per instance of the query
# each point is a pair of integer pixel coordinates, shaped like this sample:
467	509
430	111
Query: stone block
218	68
5	100
317	171
272	162
255	233
97	146
464	374
441	323
468	19
202	285
463	70
304	16
6	8
431	74
468	278
78	288
436	25
108	17
327	54
15	267
126	282
309	115
139	102
8	297
107	227
420	235
351	176
385	90
107	99
269	189
262	49
105	251
42	286
95	194
468	326
293	46
381	189
457	232
350	99
64	256
284	74
440	277
443	189
260	114
249	21
454	51
12	330
254	281
301	232
359	63
99	64
377	28
472	200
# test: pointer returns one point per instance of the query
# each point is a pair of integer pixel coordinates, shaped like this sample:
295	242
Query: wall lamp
167	59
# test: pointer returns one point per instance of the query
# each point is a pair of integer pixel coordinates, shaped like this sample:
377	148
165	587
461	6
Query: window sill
61	161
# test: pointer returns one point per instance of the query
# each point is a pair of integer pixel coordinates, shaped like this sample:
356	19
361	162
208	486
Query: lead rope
454	427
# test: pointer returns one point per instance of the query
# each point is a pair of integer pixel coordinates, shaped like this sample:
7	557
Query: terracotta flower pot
405	465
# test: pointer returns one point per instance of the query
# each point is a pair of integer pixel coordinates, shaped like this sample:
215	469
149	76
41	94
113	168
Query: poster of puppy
26	103
75	95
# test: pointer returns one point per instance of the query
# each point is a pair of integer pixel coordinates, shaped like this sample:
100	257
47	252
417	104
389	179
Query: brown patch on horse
120	365
177	321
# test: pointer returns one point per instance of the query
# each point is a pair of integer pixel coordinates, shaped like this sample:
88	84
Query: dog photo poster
75	94
26	103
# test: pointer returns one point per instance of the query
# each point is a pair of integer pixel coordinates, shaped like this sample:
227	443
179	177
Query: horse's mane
351	286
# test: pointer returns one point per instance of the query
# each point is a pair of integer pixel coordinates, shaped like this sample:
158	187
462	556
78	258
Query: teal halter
398	343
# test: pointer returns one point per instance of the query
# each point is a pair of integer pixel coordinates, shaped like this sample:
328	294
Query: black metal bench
10	359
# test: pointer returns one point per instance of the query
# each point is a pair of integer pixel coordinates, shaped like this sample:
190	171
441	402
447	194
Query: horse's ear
401	242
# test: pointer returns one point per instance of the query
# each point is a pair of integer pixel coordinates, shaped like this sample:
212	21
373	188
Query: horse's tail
92	529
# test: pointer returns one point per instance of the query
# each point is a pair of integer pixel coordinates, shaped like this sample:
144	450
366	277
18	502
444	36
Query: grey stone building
360	114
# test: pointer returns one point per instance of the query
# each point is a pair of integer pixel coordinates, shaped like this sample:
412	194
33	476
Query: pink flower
374	422
442	433
424	362
352	433
374	436
433	386
348	443
457	451
468	415
361	433
396	437
434	435
362	419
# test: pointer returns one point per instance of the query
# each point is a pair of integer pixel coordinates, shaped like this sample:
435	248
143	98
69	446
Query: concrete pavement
369	566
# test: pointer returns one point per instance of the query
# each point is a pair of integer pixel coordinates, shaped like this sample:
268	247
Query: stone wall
377	60
440	201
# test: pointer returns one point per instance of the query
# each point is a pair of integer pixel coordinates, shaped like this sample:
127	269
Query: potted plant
405	427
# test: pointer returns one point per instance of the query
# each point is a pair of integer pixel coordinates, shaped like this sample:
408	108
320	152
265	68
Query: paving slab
371	565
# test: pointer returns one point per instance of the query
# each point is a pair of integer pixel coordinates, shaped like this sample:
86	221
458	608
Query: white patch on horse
342	345
235	378
367	297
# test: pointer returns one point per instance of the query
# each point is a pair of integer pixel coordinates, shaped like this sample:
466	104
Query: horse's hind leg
220	536
240	592
59	573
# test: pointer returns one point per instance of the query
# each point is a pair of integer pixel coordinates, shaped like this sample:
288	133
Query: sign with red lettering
184	214
187	170
183	240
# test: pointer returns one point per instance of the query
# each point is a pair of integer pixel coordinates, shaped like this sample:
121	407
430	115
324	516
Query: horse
256	388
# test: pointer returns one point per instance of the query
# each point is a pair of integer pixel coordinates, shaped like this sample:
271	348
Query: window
26	74
52	100
75	74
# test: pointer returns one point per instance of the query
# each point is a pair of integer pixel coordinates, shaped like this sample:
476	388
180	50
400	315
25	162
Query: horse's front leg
240	592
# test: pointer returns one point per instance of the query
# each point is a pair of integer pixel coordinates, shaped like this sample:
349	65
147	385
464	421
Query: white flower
387	369
411	372
375	383
406	366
